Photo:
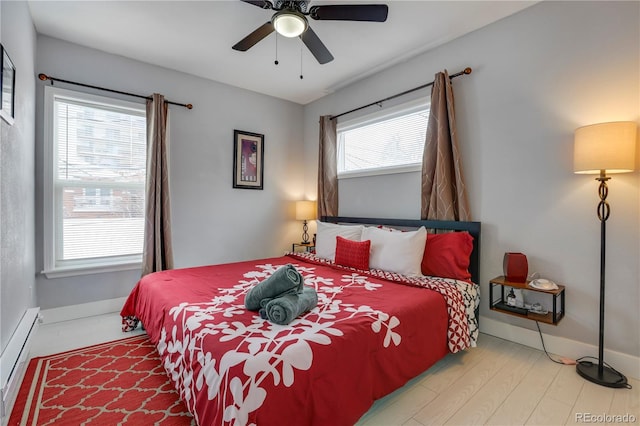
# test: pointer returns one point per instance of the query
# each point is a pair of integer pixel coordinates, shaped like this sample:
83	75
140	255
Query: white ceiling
196	37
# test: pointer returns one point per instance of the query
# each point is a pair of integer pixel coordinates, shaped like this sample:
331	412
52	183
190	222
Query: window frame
405	108
51	234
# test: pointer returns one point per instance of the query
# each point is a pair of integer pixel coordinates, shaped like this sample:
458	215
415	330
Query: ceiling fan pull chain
301	77
276	61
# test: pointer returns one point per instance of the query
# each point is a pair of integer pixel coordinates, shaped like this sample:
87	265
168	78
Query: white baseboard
628	365
71	312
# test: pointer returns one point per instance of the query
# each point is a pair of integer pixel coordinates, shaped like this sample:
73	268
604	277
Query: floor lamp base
609	377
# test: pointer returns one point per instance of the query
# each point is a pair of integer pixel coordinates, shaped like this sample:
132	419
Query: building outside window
94	194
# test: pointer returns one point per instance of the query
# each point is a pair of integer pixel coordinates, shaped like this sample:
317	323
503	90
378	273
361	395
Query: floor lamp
601	149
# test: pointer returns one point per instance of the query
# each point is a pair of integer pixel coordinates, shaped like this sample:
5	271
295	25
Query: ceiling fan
290	20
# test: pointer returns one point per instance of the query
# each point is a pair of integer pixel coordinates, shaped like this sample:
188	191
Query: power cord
562	360
569	361
533	276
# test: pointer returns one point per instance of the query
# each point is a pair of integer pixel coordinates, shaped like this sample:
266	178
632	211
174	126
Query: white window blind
387	141
98	161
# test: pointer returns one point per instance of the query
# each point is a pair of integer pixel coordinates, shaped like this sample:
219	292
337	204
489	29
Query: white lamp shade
305	210
606	146
289	24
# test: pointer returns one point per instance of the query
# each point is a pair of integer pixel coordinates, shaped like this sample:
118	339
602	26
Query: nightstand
500	303
309	247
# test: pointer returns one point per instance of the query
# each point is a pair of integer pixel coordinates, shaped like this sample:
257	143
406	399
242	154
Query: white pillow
326	237
399	252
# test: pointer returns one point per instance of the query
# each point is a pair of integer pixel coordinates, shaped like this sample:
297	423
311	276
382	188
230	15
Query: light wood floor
497	383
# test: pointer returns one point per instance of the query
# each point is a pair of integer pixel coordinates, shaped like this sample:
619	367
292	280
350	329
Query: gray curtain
157	253
327	168
444	195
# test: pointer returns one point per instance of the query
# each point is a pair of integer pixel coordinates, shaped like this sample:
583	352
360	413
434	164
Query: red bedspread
367	337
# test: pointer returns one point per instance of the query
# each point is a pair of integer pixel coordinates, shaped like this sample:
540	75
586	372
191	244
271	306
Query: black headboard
472	228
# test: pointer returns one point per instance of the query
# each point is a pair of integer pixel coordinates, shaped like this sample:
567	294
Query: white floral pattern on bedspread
262	349
463	298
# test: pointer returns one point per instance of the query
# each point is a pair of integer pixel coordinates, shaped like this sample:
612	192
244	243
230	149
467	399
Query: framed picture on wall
7	94
248	163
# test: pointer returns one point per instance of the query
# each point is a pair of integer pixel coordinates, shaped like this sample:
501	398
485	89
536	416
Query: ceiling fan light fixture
289	23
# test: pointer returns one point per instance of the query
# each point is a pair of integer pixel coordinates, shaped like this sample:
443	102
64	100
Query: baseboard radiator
14	359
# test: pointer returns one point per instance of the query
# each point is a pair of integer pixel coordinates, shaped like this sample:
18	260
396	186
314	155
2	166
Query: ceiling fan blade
263	4
250	40
350	12
317	48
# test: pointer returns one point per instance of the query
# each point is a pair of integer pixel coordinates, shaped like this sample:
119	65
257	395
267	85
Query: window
388	141
95	159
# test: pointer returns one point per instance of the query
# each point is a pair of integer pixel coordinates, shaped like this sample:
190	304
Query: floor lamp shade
600	149
305	210
605	146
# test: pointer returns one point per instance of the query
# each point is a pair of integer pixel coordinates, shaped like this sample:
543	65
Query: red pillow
354	254
448	255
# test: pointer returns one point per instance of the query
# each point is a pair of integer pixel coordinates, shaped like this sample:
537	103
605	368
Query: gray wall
212	222
17	252
537	76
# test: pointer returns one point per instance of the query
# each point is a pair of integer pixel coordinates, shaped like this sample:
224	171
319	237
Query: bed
371	331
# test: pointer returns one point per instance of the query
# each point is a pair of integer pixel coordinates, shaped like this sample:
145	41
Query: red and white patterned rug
120	382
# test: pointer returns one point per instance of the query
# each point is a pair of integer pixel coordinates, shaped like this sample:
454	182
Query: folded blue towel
282	310
285	280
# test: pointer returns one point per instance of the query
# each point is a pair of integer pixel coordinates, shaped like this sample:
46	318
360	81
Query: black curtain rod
45	77
464	72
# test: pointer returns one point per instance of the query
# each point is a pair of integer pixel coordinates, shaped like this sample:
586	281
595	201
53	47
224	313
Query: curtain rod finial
43	77
189	106
467	70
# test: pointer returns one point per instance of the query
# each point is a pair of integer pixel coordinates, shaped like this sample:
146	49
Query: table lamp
305	210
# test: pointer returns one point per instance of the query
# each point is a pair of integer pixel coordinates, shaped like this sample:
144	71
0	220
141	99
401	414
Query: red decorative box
515	267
